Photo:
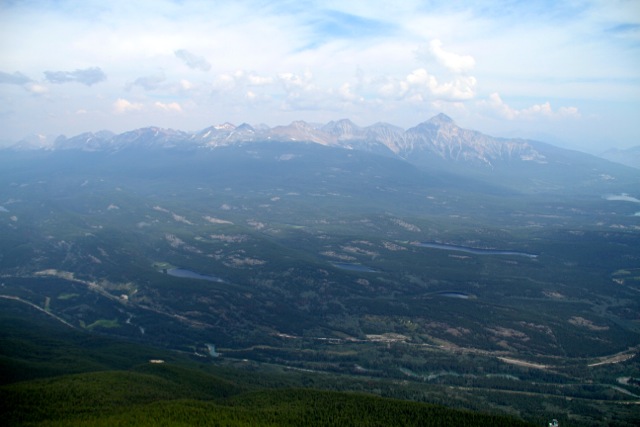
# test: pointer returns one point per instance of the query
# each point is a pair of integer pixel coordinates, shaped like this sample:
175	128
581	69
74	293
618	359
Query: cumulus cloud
452	61
301	92
193	61
255	80
569	112
87	76
296	85
240	80
420	85
224	82
122	106
36	89
294	82
347	94
186	84
496	105
170	107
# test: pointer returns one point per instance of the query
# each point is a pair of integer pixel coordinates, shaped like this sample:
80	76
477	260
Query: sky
564	72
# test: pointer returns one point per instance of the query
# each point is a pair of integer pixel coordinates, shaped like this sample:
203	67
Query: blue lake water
460	295
212	350
188	274
476	251
354	267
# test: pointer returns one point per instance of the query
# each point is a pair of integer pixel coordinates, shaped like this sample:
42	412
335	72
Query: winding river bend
476	251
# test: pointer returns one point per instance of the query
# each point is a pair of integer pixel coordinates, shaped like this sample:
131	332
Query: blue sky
563	72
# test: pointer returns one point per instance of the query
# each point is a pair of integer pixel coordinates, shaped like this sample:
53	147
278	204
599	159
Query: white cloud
122	106
569	112
240	80
347	94
256	80
36	89
170	107
497	106
296	86
295	82
420	85
224	82
452	61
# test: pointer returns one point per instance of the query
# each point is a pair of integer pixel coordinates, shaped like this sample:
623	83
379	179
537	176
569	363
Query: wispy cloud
333	24
16	78
148	82
494	104
20	79
87	76
452	61
193	61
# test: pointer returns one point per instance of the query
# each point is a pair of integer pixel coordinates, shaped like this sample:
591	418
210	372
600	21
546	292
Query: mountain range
436	145
439	137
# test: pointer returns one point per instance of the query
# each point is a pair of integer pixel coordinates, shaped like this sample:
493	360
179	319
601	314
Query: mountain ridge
628	157
439	136
438	145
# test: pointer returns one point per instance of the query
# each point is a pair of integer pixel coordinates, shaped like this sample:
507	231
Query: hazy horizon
563	73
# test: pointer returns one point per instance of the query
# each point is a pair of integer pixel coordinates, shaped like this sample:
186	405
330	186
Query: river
476	251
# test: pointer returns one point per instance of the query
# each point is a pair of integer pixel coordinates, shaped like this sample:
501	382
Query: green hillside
155	398
122	383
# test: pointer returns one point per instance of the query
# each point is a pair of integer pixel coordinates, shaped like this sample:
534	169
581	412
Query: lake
476	251
354	267
450	294
188	274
